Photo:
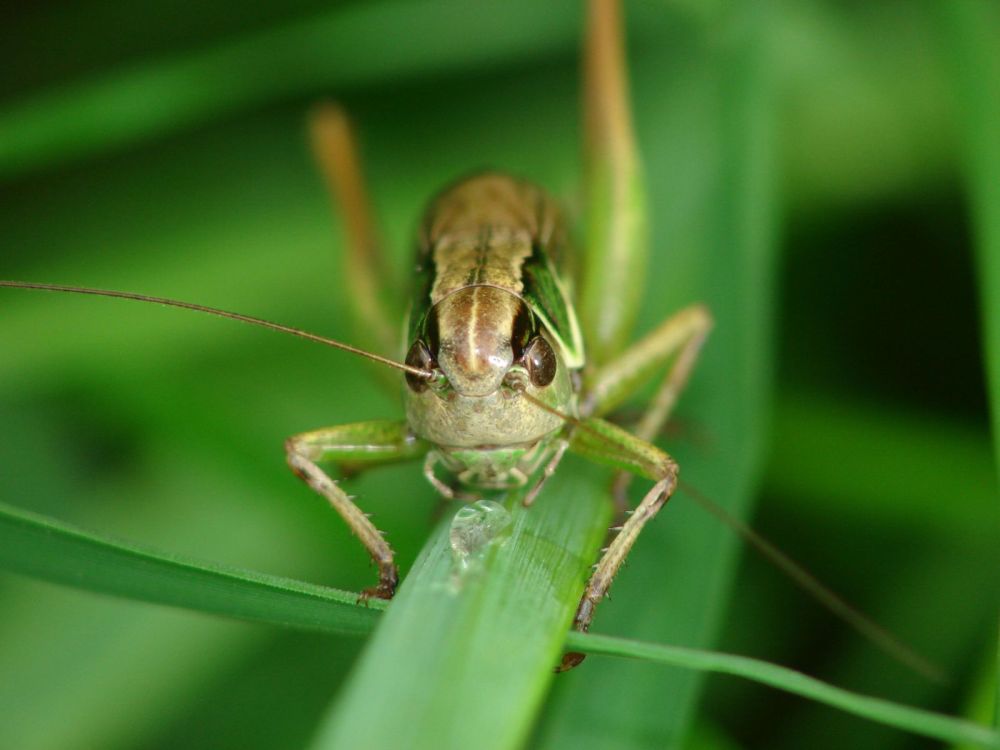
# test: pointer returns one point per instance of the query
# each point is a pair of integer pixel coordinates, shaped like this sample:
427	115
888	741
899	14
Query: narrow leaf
330	51
974	40
41	547
918	721
464	658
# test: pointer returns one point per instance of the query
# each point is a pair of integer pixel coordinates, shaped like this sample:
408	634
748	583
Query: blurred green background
161	149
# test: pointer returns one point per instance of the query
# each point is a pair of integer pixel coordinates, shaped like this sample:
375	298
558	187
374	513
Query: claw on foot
570	660
382	591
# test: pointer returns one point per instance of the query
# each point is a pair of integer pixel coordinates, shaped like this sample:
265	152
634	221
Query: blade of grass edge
40	547
973	43
918	721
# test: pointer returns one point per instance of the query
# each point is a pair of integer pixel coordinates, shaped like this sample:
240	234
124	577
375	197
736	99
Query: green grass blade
479	656
926	723
37	546
327	52
974	43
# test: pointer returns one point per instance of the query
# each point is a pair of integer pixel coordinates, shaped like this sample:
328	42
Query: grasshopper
498	382
515	350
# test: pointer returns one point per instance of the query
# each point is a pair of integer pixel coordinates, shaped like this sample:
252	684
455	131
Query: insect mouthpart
517	378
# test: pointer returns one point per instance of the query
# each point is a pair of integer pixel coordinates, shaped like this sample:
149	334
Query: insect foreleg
353	447
606	443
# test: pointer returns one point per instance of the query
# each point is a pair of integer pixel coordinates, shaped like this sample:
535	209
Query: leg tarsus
444	490
547	472
384	590
570	660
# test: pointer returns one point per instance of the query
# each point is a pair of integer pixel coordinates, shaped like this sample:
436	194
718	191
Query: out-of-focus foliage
193	181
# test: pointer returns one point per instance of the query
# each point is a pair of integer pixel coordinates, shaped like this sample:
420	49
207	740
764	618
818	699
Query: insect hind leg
372	290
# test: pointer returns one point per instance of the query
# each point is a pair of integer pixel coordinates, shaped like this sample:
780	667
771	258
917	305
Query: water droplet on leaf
474	529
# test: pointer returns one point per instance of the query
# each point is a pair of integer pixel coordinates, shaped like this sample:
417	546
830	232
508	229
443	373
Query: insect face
487	349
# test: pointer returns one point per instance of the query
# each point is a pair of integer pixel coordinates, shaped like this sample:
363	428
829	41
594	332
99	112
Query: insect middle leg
679	338
675	342
682	334
355	447
606	443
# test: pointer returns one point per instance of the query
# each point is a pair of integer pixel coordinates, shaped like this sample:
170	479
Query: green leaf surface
41	547
439	609
329	50
478	646
973	35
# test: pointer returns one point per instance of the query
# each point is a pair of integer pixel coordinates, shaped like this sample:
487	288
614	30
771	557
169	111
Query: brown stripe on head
474	328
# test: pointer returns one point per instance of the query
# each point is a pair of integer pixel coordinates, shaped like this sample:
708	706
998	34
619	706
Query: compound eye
419	356
540	362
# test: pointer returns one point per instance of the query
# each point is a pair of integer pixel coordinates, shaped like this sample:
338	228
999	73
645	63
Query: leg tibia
607	443
362	444
616	552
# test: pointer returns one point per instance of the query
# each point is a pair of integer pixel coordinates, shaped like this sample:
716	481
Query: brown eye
419	356
540	362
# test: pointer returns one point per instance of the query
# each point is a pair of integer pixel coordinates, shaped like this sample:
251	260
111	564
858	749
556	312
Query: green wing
420	301
545	294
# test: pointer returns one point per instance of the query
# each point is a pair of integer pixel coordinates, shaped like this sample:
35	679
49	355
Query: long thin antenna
812	585
221	314
805	580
